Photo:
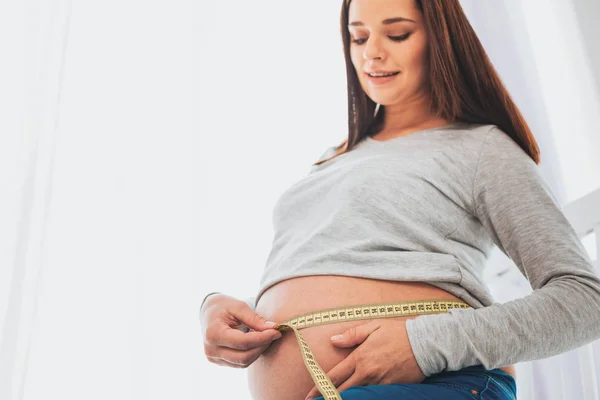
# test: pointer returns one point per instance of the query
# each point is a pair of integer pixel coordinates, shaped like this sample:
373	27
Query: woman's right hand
226	345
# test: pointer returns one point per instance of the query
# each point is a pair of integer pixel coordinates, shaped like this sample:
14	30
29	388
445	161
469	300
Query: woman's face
379	43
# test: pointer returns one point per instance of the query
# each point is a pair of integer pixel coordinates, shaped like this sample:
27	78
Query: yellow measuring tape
353	313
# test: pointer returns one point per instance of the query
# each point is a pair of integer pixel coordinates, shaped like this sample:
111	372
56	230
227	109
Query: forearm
249	300
562	316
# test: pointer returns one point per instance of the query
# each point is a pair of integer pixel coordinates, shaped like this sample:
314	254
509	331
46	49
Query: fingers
338	374
236	339
225	345
219	361
237	349
236	358
245	314
353	380
355	335
313	393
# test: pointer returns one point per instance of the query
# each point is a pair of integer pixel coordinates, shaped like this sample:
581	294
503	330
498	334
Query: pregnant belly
280	373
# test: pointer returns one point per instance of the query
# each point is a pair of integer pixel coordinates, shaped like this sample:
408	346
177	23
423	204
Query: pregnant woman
438	167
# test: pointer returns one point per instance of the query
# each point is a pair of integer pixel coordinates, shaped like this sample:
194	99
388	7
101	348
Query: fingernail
337	337
270	323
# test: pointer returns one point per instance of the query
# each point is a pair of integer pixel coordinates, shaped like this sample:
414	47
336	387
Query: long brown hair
463	83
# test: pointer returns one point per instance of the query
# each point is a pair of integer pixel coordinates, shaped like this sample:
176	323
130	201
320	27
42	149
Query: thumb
251	319
355	335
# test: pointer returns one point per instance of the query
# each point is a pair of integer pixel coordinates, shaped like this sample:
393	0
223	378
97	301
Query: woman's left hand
383	356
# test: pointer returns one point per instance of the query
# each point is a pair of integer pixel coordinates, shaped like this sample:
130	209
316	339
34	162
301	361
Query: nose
373	49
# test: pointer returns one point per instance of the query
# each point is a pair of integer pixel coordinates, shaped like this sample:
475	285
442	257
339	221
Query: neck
410	115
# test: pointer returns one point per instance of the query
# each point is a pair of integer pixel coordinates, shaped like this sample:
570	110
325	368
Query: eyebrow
384	22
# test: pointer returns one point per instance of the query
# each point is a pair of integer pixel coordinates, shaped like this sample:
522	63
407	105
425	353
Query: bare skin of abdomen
279	373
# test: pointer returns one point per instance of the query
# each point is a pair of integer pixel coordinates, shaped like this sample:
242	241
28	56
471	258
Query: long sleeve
520	214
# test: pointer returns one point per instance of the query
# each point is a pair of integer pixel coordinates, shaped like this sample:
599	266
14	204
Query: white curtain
141	162
99	292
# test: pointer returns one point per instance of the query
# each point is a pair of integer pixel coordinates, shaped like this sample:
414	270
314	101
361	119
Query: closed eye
394	38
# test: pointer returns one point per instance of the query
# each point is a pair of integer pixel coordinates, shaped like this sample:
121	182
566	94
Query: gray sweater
429	207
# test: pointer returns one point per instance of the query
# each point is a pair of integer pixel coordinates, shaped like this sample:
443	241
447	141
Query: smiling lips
380	72
381	80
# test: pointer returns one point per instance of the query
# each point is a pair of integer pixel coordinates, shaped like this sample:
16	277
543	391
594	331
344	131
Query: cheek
413	67
419	58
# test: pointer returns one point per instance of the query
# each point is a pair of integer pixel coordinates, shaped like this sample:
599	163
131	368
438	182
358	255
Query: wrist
206	299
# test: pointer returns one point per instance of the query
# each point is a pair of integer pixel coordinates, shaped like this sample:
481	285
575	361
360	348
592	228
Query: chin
383	101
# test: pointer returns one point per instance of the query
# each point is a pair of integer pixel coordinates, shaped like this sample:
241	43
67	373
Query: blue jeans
474	382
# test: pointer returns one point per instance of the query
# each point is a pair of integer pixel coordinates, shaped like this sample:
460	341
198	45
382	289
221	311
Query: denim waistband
480	369
501	378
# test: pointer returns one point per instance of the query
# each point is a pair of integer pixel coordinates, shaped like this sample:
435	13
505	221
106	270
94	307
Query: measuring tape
353	313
